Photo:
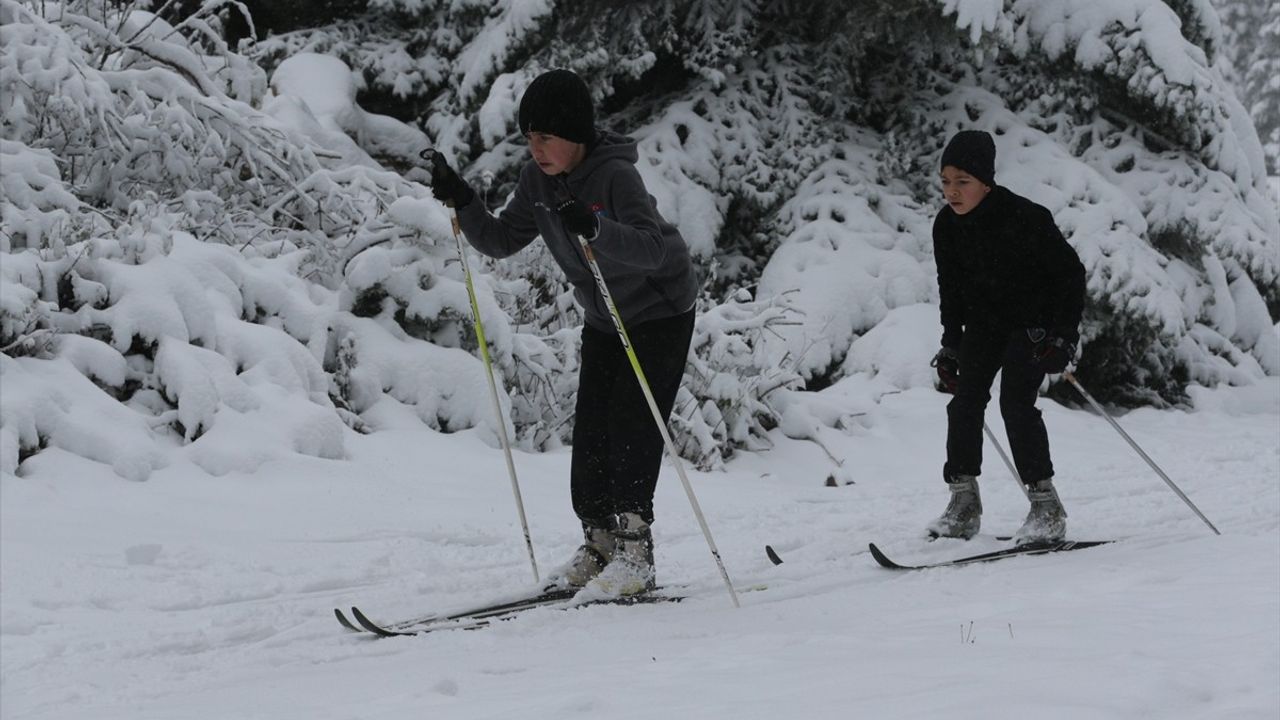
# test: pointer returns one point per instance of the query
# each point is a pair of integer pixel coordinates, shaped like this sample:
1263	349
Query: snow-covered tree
202	231
1251	30
161	238
790	137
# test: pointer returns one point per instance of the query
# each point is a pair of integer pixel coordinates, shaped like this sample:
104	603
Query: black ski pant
617	447
983	352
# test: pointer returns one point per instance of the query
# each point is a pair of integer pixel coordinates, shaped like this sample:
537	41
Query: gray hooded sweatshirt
643	258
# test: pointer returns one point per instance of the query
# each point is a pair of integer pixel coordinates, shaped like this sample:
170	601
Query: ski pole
1072	379
493	387
1008	463
657	414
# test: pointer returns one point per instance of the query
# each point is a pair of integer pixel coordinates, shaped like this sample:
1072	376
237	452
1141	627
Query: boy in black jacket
1012	294
581	181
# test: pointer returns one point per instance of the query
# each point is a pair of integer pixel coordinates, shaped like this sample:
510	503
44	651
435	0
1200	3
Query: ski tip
1082	544
881	558
773	556
373	627
342	620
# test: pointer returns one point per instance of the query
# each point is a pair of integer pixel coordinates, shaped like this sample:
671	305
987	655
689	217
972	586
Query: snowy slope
191	596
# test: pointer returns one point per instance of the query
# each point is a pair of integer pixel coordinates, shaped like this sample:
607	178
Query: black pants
983	352
617	448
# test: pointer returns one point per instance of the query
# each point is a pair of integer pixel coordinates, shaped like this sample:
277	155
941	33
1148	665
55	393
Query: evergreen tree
1251	30
784	135
794	143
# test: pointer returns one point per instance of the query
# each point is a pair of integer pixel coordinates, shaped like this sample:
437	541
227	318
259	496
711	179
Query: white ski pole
1072	379
493	386
657	414
1008	463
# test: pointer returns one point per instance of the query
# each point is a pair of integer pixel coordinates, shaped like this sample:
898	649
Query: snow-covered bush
808	136
224	242
1159	208
174	341
157	229
727	401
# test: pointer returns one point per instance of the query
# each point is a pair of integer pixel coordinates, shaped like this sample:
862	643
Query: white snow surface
179	556
195	596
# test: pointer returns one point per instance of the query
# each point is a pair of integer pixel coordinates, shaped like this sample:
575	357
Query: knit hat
974	152
558	103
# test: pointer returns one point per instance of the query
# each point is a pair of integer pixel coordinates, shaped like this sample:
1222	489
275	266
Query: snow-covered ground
192	596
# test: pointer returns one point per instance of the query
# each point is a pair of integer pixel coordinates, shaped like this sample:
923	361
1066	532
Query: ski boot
588	560
1047	520
963	515
631	570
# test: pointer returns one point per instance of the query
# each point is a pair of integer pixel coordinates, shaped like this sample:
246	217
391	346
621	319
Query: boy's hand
1053	354
578	219
947	363
446	186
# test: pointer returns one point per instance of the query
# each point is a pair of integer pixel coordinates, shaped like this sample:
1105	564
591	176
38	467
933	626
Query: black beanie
974	152
558	103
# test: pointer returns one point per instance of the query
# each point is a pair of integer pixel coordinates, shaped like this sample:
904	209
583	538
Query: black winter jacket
1005	266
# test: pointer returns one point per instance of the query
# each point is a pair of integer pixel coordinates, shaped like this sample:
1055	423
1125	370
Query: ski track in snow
191	596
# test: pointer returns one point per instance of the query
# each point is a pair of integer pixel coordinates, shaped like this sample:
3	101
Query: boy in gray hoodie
582	182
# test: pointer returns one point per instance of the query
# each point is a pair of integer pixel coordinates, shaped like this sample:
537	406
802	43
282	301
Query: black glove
446	186
578	219
947	363
1053	354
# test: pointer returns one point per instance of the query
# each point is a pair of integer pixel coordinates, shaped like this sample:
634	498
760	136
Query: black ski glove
947	363
1053	354
578	219
446	186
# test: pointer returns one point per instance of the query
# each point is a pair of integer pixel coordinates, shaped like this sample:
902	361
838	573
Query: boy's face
961	190
553	154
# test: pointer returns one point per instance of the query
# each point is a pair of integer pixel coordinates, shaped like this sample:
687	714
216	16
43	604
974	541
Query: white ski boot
630	571
963	515
588	560
1047	519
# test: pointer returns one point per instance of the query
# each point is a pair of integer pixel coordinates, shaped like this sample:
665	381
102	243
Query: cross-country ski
475	620
535	599
1042	548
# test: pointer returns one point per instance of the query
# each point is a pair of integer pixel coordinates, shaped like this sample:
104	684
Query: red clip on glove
1053	354
947	363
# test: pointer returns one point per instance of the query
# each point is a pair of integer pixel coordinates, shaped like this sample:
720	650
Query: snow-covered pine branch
1147	109
157	230
727	402
147	163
